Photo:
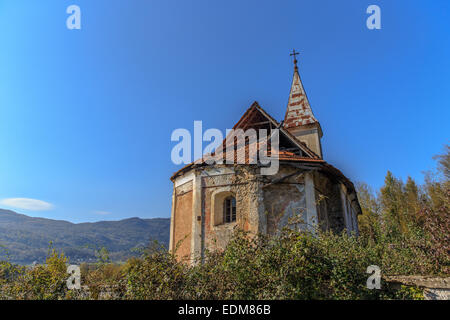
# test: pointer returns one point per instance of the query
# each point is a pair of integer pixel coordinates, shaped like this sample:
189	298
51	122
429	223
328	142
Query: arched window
229	209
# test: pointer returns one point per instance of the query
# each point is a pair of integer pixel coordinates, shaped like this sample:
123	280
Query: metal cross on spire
294	54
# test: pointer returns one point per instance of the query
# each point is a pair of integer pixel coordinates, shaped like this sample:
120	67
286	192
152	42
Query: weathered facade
210	200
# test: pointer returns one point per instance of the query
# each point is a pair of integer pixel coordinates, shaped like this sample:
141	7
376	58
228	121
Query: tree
368	221
392	201
412	204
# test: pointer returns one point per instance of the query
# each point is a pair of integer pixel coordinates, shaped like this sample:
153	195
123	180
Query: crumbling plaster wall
330	192
244	184
284	202
264	204
182	220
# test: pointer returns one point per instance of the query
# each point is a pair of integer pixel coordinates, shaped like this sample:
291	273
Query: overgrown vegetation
404	230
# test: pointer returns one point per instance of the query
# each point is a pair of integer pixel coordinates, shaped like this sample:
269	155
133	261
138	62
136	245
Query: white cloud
103	213
27	204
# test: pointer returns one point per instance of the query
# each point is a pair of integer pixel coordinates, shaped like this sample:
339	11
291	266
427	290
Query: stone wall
434	288
327	191
295	197
284	201
242	183
183	220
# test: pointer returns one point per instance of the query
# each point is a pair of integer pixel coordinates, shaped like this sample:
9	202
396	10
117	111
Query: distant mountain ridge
26	239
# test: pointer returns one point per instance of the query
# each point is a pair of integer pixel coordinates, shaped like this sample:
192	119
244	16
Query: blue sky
86	115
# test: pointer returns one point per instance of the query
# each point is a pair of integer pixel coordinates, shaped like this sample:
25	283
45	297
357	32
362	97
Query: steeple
299	118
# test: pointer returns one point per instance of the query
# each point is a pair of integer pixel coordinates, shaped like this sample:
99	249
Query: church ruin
209	201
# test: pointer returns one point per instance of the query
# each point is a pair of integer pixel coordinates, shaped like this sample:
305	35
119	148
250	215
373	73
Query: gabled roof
298	112
250	119
290	149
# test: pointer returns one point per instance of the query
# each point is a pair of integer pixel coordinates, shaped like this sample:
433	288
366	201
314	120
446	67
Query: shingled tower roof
299	112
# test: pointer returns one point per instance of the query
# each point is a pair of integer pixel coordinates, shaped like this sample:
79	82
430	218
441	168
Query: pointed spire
298	111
